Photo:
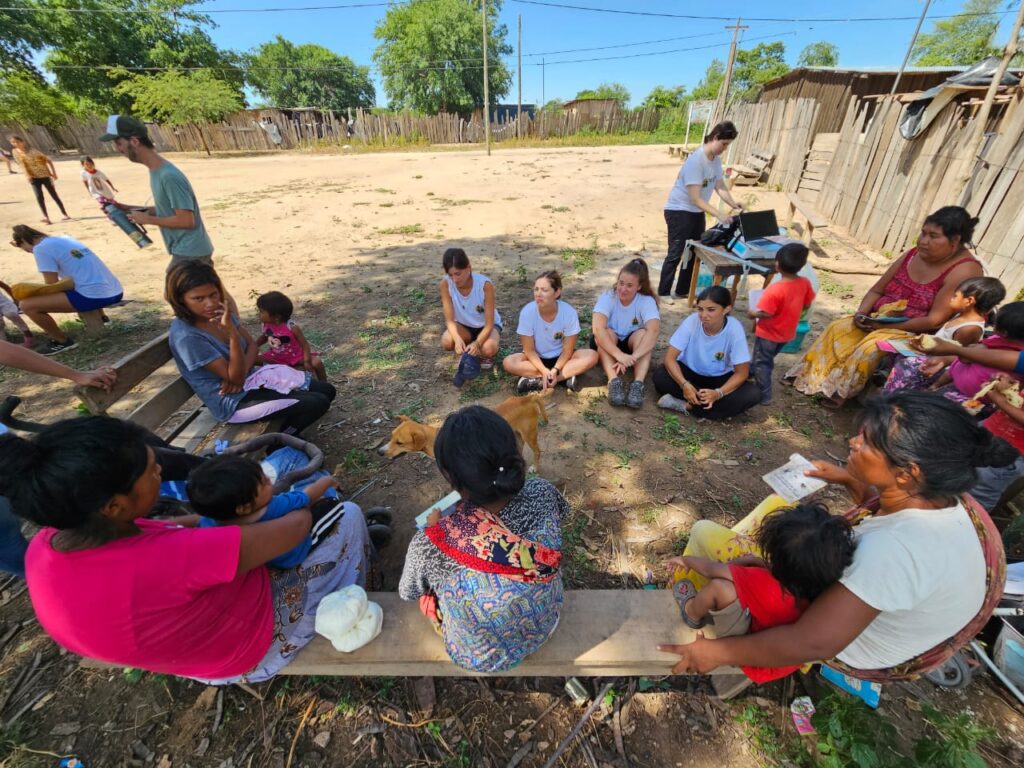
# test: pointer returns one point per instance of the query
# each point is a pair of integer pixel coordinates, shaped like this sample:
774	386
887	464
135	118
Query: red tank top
919	296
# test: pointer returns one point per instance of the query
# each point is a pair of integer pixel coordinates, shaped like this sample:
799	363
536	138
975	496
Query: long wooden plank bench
814	219
753	169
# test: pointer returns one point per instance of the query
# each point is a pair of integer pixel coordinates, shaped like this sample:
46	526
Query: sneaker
572	384
56	347
616	391
528	384
469	369
486	363
673	404
635	398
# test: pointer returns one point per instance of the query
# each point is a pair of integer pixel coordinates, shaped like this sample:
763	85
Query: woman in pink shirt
160	595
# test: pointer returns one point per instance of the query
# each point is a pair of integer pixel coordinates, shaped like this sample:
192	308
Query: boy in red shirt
805	548
778	313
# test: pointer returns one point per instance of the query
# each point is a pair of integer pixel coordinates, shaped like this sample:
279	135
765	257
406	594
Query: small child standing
286	343
9	311
97	183
233	490
805	549
778	313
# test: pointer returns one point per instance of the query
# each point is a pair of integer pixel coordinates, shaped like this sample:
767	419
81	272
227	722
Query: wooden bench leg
691	298
810	233
93	322
792	217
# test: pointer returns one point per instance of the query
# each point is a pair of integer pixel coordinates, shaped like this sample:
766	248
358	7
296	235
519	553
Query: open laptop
756	227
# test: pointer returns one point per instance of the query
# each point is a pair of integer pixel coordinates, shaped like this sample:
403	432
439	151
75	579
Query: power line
623	45
677	50
170	12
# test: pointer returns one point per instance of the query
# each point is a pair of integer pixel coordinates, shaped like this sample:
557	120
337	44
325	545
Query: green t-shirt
171	191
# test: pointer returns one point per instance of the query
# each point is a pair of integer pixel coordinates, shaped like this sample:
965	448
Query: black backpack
720	234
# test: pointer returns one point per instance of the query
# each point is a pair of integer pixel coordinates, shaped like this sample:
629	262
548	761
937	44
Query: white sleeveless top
946	332
469	310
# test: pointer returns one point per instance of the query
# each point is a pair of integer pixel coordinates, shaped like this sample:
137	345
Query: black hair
718	294
22	233
554	279
936	435
725	130
954	221
791	258
987	292
806	548
87	159
277	305
145	141
476	451
1009	322
187	276
65	475
222	484
454	257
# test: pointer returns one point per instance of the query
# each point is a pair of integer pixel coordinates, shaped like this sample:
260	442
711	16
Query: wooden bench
809	212
681	152
93	320
752	170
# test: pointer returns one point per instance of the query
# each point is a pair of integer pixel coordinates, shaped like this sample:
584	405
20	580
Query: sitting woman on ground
707	364
91	285
548	328
488	572
471	321
929	565
918	286
625	327
216	356
109	584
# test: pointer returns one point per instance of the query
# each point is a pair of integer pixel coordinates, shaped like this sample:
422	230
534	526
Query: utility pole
723	94
543	72
487	88
519	59
913	42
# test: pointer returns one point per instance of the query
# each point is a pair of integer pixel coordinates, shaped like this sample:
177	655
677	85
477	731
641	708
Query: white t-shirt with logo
98	184
624	319
925	571
710	355
697	170
70	258
470	310
548	337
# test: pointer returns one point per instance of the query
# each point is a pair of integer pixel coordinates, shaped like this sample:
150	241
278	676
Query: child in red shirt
805	548
778	313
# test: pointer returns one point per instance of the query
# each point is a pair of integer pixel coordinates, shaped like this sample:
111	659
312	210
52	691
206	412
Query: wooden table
723	265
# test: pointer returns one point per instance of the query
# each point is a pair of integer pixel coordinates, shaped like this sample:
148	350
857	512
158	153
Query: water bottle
129	227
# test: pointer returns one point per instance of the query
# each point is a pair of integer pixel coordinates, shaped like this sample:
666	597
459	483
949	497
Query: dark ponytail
725	130
64	476
954	221
476	451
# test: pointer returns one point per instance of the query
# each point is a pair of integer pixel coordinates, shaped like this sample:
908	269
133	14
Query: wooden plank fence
781	127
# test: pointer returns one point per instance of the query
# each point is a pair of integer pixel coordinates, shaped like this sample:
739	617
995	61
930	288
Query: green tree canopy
431	55
820	54
962	40
19	36
755	67
27	98
709	85
661	97
615	91
289	75
553	105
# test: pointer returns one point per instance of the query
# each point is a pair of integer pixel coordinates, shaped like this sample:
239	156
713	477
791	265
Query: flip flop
684	591
377	515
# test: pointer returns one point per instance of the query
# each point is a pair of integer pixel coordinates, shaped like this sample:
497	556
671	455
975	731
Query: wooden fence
782	128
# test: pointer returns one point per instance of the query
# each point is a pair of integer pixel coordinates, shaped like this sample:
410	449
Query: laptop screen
758	224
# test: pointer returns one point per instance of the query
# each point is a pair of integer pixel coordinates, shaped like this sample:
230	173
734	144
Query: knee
446	342
511	361
723	591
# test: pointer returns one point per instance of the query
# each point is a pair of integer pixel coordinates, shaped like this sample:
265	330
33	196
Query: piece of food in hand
926	341
973	406
892	309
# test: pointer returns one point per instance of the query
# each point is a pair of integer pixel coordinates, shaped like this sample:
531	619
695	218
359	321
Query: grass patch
622	455
483	386
577	565
690	439
385	191
586	318
451	202
405	229
582	259
415	407
385	205
417	298
833	287
385	349
355	460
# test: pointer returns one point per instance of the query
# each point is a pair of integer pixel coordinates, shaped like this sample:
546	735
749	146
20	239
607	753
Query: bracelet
721	394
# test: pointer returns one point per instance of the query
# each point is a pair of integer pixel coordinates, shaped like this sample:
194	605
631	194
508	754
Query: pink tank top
919	296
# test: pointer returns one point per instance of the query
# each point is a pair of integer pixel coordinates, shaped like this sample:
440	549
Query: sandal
378	516
684	591
833	403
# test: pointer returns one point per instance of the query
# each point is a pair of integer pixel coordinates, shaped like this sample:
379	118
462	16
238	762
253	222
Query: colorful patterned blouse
34	163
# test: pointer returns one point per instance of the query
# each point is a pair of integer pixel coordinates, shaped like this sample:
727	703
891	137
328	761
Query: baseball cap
124	127
469	369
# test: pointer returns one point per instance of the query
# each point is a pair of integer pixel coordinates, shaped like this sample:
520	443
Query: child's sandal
684	591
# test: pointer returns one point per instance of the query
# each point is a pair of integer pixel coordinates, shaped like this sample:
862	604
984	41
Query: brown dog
522	413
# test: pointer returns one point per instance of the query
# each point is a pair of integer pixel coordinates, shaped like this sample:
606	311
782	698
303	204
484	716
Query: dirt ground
356	241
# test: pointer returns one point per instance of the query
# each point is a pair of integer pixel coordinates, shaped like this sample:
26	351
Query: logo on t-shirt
636	320
719	356
480	308
559	335
77	254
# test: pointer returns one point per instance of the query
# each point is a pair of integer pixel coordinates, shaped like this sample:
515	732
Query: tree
709	86
27	98
754	67
615	91
431	55
661	97
962	40
820	54
553	105
289	75
19	36
177	97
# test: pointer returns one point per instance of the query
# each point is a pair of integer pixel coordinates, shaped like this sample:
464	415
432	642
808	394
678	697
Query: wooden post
487	94
910	48
723	94
519	59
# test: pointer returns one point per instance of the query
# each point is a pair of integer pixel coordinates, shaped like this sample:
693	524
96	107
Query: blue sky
545	29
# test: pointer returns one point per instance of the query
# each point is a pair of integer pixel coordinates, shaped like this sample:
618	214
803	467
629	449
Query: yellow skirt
841	360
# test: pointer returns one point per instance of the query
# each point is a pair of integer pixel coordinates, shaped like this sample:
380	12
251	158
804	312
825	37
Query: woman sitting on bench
488	572
929	565
107	583
216	356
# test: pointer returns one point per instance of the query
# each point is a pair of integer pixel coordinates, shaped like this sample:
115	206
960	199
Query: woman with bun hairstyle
487	571
472	323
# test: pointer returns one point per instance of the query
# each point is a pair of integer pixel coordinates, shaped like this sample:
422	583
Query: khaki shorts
731	621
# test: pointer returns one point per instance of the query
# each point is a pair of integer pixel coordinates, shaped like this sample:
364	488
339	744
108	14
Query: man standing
175	209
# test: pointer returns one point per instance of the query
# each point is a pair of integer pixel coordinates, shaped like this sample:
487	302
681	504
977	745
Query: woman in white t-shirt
690	201
707	363
928	566
471	322
58	258
625	326
548	328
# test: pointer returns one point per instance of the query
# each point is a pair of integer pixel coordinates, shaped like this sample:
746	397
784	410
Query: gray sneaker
616	391
673	404
635	398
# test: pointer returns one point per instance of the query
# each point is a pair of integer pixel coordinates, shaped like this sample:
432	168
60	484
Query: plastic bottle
130	228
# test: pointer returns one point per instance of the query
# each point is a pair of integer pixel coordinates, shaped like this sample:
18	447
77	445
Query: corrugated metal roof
880	70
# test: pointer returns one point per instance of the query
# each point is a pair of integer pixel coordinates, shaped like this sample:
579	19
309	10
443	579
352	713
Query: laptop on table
756	227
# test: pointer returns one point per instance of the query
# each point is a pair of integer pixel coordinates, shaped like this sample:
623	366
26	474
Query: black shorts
474	332
623	343
549	362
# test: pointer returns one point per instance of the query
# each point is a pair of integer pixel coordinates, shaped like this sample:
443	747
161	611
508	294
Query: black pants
682	226
734	403
37	187
311	404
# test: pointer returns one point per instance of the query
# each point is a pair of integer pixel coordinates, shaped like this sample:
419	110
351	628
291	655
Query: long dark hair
476	451
185	277
454	257
638	268
22	233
